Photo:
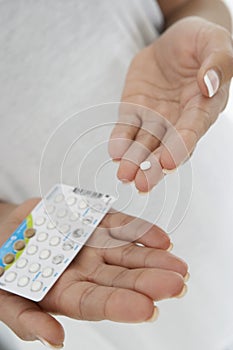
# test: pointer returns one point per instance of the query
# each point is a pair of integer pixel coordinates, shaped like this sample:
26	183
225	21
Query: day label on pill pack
45	243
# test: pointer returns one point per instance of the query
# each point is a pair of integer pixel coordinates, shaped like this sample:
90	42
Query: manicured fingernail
143	193
212	82
168	171
125	181
186	277
170	247
49	345
183	292
155	315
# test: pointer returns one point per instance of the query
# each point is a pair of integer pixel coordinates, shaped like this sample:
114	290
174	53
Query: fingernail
183	292
186	277
212	82
49	345
168	171
170	247
155	315
125	181
143	193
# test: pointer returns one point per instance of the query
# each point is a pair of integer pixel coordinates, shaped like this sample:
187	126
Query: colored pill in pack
46	242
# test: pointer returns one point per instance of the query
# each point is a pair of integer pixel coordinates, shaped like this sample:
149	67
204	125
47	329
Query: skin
118	282
127	279
167	77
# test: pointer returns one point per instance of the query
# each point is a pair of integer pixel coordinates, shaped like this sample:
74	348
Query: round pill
29	233
59	198
54	241
10	277
19	245
21	263
49	208
40	221
33	268
32	250
64	228
8	258
77	233
42	237
47	272
23	281
74	217
145	165
36	286
67	246
82	204
61	213
88	220
71	201
2	270
51	225
58	259
45	254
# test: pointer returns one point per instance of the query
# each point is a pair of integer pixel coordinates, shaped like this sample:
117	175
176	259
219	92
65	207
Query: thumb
217	66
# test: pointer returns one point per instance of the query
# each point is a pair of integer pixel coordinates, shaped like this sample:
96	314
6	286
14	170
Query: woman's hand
118	281
184	76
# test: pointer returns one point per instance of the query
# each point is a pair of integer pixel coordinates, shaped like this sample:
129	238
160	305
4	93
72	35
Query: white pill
36	286
34	268
54	241
10	277
32	250
42	237
71	200
40	220
145	165
45	254
21	263
47	272
23	281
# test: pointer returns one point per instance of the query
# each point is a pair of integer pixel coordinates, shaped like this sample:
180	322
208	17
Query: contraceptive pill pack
46	242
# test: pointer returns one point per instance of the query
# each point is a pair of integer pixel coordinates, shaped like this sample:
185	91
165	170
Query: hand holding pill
175	89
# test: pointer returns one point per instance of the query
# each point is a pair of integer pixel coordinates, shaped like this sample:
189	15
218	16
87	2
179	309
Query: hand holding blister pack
46	242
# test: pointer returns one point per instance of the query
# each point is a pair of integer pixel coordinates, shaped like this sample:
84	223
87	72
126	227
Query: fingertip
127	171
167	162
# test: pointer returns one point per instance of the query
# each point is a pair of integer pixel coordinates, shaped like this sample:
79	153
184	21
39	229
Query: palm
112	278
163	78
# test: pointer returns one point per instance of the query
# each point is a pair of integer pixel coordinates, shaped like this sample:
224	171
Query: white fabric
58	57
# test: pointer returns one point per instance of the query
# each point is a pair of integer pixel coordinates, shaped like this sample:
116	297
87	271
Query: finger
123	134
89	301
217	61
146	180
157	284
196	119
131	229
28	321
146	141
133	256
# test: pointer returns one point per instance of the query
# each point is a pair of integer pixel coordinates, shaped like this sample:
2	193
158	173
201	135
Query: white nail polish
168	171
212	82
49	345
155	315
